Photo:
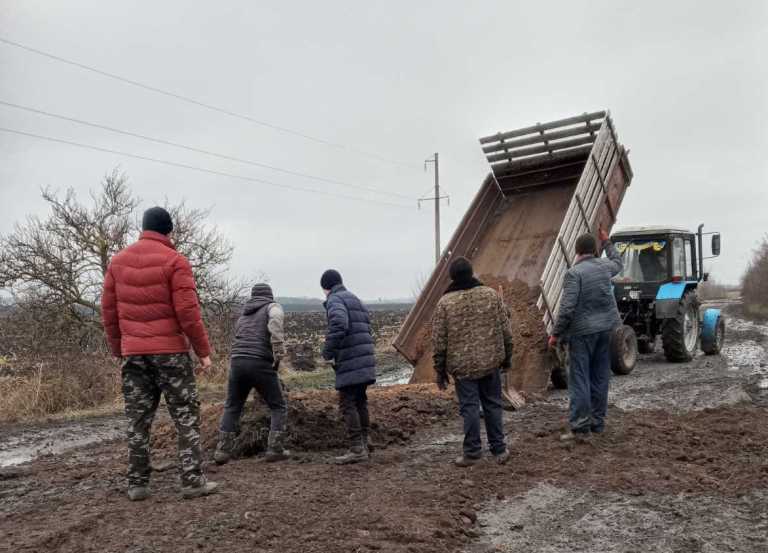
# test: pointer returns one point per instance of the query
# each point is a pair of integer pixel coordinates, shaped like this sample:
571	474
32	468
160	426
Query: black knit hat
158	220
262	290
460	269
330	278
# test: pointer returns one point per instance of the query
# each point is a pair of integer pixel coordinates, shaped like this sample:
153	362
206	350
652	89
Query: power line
211	107
200	150
198	169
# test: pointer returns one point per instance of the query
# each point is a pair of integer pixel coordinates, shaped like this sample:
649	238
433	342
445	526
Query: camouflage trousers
145	378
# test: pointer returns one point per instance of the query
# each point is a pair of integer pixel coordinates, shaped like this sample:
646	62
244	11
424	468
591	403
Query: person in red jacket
151	316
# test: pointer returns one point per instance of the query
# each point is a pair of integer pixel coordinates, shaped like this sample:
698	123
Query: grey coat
588	305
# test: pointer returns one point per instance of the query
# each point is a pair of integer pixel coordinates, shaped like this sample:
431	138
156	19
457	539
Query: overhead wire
199	169
208	106
201	150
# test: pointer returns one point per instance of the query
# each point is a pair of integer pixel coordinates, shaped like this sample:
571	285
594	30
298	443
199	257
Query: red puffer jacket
149	305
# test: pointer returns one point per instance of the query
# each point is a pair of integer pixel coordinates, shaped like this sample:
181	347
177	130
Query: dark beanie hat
158	220
330	278
262	290
460	269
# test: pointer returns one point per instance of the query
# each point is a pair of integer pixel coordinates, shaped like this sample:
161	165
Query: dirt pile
314	423
532	362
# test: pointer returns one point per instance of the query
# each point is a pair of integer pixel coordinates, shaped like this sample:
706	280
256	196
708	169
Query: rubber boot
224	448
356	454
275	447
204	488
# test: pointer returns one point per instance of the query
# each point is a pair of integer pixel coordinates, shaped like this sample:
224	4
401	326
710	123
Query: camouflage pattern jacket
471	335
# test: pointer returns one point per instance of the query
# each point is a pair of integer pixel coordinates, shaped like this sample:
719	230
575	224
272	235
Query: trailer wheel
623	350
646	346
680	334
559	374
559	378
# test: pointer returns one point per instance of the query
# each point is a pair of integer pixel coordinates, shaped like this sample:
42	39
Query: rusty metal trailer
548	183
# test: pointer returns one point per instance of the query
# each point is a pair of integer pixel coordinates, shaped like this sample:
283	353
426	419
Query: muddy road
682	467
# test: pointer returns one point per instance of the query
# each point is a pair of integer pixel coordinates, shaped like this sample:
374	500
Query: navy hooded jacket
349	340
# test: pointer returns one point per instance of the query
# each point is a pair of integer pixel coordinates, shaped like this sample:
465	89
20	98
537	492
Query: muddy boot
501	458
571	437
224	448
204	488
356	454
275	448
138	493
464	461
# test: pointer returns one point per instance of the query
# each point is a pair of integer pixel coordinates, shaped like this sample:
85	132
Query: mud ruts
145	377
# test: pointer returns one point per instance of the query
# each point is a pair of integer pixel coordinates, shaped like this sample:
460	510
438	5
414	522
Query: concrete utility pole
436	199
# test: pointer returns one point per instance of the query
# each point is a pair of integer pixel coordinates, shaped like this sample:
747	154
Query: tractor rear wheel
680	334
623	350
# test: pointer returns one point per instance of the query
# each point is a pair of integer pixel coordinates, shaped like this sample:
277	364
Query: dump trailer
548	184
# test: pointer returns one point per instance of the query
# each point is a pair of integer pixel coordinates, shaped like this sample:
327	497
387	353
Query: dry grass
59	385
754	283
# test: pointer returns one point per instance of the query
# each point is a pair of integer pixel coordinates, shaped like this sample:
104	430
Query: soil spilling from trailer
532	361
314	423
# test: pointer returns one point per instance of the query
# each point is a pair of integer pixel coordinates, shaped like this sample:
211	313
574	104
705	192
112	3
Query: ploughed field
683	467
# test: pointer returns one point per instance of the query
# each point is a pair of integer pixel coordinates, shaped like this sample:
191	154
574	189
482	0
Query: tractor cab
656	294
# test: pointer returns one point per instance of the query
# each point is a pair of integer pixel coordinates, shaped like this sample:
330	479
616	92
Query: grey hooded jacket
588	305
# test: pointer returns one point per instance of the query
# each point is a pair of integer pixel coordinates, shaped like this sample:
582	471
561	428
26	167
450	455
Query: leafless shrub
754	283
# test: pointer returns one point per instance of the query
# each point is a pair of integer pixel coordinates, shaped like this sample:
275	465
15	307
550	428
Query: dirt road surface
683	467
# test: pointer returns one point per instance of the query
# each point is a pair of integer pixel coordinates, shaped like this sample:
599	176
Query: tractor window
690	270
644	261
678	258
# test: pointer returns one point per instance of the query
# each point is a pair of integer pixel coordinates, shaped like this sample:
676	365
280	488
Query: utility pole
437	197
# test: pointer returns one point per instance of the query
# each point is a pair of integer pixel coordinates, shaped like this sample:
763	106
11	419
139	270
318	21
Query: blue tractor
656	294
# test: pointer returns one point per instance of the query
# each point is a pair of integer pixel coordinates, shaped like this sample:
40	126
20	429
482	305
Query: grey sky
687	83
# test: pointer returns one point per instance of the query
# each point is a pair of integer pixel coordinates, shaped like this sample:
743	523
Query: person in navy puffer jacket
349	346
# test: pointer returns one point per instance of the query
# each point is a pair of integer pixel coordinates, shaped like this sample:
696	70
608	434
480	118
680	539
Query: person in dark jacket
349	347
257	349
151	317
585	322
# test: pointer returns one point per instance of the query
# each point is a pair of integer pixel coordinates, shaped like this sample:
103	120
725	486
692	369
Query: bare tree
55	266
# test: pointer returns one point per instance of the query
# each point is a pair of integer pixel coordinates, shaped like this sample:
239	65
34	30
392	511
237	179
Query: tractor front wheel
623	350
680	334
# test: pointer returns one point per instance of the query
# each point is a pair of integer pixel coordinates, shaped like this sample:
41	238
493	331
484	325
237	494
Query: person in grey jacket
257	349
585	322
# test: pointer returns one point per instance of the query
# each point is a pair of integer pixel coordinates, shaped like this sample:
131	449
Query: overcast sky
686	82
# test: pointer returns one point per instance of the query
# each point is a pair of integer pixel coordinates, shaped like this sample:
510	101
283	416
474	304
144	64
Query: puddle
27	445
393	376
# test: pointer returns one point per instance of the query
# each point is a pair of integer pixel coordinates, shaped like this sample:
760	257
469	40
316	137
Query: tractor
656	294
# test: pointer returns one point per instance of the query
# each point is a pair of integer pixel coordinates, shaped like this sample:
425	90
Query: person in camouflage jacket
472	343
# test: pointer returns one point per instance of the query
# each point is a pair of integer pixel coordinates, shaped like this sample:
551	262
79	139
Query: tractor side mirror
715	245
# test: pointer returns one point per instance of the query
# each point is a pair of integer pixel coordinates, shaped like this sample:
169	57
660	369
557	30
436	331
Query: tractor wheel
623	350
680	334
647	346
712	345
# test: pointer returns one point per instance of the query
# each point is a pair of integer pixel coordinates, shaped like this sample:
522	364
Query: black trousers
353	404
246	374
